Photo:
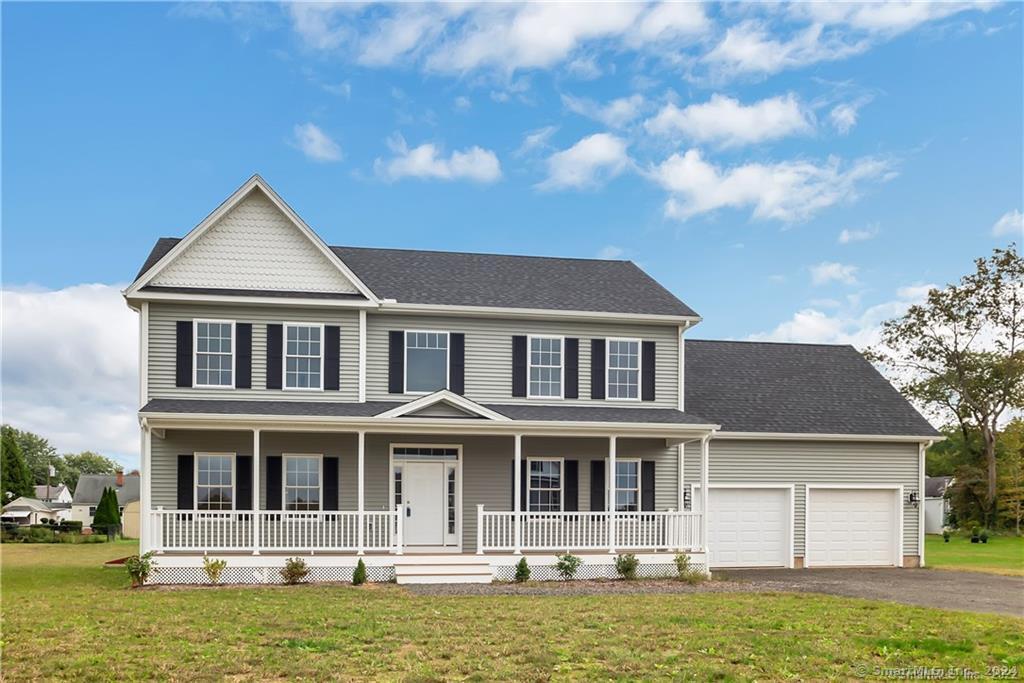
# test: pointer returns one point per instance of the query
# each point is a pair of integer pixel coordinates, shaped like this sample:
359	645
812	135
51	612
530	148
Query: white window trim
456	538
284	357
561	483
405	361
284	480
608	367
195	353
529	366
613	504
195	478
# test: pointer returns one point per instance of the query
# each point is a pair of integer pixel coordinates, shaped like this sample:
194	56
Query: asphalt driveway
968	591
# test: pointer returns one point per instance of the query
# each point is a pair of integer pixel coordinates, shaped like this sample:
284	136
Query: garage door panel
851	527
749	527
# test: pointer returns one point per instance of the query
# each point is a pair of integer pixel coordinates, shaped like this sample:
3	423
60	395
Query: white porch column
361	502
255	492
145	495
681	478
704	452
517	488
611	493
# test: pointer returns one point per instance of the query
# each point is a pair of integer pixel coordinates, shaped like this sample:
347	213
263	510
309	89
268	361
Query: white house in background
442	415
27	511
90	488
936	505
57	493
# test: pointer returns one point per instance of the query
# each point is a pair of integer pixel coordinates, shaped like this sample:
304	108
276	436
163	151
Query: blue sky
725	149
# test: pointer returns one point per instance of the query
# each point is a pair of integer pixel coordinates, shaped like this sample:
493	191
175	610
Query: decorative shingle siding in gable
254	247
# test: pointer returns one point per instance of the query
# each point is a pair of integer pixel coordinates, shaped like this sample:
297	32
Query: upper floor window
214	482
302	482
214	353
624	368
544	492
627	485
426	361
545	367
303	361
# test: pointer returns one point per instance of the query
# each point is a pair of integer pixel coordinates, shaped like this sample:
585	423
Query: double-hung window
303	356
302	484
545	367
544	485
215	351
215	483
426	361
627	485
624	369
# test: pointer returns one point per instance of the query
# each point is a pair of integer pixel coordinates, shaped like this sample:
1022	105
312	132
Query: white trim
792	510
195	478
284	480
443	396
790	436
639	368
284	357
195	353
143	354
895	488
536	313
561	366
246	299
253	183
405	361
561	481
681	358
457	545
614	488
362	355
922	451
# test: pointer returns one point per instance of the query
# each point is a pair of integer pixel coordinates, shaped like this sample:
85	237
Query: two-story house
443	414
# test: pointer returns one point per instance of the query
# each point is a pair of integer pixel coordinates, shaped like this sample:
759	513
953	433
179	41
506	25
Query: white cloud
669	21
749	48
615	114
463	103
610	252
829	271
884	18
590	162
427	161
535	140
316	144
725	121
844	115
1010	223
787	191
70	368
322	26
848	236
343	89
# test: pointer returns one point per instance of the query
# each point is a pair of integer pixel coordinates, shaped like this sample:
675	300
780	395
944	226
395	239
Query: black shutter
396	362
647	485
597	485
597	368
183	354
243	355
457	362
186	482
274	348
332	358
330	483
273	482
522	485
571	486
572	368
519	365
243	482
647	361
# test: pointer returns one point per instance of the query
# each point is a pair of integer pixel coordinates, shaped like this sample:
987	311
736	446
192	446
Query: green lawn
66	617
1001	555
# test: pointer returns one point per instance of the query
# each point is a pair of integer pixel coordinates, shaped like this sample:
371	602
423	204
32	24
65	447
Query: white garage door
749	527
849	527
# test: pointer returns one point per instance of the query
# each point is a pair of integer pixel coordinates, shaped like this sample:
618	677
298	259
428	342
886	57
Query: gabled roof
90	488
935	487
54	491
427	406
26	503
795	389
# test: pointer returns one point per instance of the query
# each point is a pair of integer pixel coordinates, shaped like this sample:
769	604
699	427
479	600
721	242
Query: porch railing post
704	485
672	530
361	493
517	486
157	529
480	529
611	494
400	523
256	492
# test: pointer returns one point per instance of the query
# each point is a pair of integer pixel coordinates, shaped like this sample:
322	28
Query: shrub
567	565
139	568
945	535
522	571
983	535
107	518
626	565
70	526
359	575
295	570
214	568
687	572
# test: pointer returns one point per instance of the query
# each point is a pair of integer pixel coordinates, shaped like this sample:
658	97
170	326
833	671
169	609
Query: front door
423	494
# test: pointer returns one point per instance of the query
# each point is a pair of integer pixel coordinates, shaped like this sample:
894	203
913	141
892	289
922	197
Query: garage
750	526
850	526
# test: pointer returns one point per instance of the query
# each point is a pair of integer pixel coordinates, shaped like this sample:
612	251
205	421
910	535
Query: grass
65	617
1001	555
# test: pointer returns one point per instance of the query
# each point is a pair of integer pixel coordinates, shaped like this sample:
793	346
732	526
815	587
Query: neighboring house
936	505
90	488
26	511
57	493
442	414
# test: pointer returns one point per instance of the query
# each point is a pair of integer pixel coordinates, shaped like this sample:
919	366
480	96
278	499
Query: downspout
922	450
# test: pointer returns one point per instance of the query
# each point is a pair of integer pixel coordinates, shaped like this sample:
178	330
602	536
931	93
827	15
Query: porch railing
564	531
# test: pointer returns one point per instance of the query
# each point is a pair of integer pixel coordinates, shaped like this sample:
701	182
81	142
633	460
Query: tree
37	451
15	478
71	466
961	352
107	517
1011	474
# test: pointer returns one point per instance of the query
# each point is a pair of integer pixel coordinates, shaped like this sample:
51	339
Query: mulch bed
594	587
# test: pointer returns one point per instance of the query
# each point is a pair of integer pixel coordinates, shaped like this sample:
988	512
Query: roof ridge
487	253
773	343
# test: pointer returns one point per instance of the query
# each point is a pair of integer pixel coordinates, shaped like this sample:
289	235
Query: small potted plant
983	535
975	534
945	535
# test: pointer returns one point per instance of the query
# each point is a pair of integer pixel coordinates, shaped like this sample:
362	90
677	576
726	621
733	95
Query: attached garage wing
750	526
851	526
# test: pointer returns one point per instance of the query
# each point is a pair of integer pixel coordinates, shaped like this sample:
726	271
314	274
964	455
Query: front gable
444	404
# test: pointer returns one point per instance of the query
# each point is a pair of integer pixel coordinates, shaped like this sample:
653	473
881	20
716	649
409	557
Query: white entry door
749	527
848	527
423	495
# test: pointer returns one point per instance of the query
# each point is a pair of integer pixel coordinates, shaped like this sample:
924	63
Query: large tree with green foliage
961	352
39	455
71	466
37	451
108	517
15	478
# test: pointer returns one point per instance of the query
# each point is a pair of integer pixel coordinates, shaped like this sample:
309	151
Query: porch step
461	572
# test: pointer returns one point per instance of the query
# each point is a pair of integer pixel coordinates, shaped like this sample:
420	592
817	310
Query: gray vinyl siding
162	338
489	354
812	462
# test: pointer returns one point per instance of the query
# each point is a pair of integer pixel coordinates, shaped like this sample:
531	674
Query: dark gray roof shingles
795	388
90	488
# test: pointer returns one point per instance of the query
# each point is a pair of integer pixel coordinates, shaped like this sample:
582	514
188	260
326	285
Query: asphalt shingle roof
795	388
90	488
